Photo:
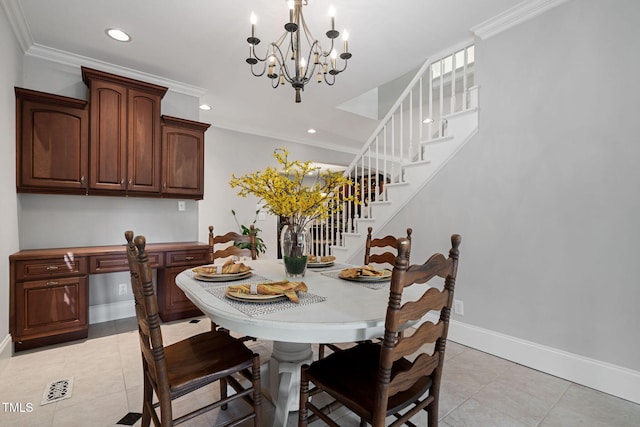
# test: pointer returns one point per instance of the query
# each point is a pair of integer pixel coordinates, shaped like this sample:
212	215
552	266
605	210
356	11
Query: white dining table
333	310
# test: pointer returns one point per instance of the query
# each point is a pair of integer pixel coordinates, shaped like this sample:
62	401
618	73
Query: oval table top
351	311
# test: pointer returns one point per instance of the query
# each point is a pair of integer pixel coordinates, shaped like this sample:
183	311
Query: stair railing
440	87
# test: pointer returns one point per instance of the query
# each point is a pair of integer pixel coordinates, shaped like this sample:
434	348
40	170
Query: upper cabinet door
182	157
125	133
108	136
52	143
144	143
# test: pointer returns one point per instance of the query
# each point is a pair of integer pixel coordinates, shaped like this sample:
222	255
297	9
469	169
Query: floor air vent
57	390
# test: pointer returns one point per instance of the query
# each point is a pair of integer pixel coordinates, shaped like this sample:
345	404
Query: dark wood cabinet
52	143
49	297
173	304
125	133
115	144
182	157
48	289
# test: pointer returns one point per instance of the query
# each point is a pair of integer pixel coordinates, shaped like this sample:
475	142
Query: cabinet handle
52	267
164	185
122	182
82	180
130	182
189	258
52	283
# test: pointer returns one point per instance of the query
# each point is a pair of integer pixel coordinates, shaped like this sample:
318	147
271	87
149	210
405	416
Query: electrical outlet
458	307
122	289
182	206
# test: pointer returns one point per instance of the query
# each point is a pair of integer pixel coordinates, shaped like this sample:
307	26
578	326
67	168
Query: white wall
10	76
546	195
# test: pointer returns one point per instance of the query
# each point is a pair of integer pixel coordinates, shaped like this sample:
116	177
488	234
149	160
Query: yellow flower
284	193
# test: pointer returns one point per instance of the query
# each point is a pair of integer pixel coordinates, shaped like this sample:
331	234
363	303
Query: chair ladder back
136	287
152	348
387	257
232	250
395	346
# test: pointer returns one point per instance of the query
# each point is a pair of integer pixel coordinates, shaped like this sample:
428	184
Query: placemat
371	284
261	308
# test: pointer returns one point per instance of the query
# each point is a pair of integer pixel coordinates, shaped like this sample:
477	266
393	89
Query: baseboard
106	312
611	379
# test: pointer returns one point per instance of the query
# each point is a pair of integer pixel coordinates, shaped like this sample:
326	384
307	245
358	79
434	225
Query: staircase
431	120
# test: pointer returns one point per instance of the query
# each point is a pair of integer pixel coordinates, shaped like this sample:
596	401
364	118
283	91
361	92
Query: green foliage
260	246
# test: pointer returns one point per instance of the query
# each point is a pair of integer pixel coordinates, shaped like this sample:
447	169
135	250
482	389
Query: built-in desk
48	290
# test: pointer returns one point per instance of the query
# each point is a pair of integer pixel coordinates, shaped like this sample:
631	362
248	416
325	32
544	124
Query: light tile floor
478	389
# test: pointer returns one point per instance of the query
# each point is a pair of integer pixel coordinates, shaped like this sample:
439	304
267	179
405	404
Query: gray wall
546	194
10	76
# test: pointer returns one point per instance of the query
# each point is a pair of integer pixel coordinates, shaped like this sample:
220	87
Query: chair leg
147	401
304	396
321	351
257	391
223	392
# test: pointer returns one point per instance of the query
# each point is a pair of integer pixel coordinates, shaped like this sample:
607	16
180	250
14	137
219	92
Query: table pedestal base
284	377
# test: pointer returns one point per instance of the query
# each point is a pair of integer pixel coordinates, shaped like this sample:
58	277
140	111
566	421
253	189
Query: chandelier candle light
290	59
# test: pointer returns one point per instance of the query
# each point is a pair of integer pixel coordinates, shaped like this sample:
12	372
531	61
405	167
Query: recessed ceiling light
205	107
118	35
311	130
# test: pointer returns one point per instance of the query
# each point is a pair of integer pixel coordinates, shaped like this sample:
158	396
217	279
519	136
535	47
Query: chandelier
286	61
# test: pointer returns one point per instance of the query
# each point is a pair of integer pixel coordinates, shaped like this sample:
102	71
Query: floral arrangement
285	194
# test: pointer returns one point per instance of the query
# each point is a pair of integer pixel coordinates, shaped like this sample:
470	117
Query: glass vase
295	242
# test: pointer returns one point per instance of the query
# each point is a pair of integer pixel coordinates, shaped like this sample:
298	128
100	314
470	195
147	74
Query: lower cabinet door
50	307
173	304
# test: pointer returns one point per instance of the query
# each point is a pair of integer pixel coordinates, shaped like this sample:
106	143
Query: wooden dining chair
175	370
388	245
231	249
229	241
399	377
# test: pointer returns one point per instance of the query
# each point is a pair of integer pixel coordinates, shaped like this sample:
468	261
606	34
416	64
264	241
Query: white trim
518	14
608	378
15	15
106	312
72	59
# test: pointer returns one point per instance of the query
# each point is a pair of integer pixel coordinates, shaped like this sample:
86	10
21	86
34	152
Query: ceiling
203	43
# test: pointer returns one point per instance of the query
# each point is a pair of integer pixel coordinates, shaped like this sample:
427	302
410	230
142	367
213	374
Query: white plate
222	277
320	264
239	296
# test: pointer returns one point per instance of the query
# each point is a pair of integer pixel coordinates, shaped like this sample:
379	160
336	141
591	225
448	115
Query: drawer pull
189	258
52	283
52	267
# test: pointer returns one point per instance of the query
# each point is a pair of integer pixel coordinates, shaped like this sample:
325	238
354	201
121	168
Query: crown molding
15	16
518	14
71	59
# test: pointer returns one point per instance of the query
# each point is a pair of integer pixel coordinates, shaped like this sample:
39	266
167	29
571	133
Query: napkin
274	288
364	271
229	267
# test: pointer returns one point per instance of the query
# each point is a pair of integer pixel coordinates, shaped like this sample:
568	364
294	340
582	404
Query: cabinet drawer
188	257
67	265
119	262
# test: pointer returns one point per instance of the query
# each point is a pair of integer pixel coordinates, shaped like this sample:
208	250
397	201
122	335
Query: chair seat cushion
350	376
204	358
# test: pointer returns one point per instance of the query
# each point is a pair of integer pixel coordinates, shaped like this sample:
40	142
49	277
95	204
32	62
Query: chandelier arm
282	64
264	68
